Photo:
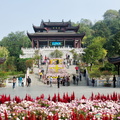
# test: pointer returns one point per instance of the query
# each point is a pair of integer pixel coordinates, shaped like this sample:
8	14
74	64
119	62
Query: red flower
49	97
6	118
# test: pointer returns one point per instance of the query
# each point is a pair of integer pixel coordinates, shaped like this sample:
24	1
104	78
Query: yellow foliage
3	52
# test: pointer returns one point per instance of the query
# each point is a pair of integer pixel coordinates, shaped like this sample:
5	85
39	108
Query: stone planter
2	85
107	85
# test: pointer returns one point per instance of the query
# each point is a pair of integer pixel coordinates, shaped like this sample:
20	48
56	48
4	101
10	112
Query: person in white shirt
51	81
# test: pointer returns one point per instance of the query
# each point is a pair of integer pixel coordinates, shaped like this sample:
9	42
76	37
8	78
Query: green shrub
15	73
108	67
95	74
21	75
106	73
3	76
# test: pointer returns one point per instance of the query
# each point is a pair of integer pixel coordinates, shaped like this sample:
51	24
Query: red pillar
74	44
79	44
63	42
37	43
33	44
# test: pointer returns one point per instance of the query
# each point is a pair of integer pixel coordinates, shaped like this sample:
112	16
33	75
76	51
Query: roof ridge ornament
42	21
33	25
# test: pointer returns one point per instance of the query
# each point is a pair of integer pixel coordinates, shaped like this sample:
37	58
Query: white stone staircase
45	51
35	76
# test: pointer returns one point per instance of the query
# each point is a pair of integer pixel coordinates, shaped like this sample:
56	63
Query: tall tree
14	41
101	29
95	52
10	64
21	64
114	45
4	53
86	22
85	27
113	25
56	54
110	14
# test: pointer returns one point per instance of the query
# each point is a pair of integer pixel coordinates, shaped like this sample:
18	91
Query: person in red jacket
76	68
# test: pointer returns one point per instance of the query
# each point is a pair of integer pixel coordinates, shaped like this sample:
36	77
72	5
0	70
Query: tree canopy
114	45
95	51
14	42
110	14
56	54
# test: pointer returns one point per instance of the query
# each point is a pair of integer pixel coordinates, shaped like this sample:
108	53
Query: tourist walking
23	82
51	79
80	76
76	68
14	82
47	80
74	79
77	79
41	75
64	62
28	81
114	81
58	81
68	80
42	70
20	81
84	72
93	82
68	64
63	81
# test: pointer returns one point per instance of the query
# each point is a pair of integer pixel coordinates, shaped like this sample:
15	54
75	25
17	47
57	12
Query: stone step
71	70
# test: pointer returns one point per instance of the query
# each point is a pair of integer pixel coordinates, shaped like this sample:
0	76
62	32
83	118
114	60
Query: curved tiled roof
73	28
65	25
56	24
115	60
55	30
37	28
54	34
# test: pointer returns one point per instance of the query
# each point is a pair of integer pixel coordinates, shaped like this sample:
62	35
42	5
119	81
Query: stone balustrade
101	82
29	52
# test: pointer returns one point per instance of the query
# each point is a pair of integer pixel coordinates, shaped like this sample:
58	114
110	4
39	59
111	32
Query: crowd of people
21	82
64	81
60	80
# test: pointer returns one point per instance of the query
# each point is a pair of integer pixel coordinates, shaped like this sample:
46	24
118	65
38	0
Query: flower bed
55	71
97	107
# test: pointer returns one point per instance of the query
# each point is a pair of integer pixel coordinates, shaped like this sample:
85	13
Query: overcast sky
20	15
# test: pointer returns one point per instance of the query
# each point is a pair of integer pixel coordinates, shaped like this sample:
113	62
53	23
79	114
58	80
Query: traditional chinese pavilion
56	34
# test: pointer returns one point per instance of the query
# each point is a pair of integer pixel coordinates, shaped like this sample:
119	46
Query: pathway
37	88
71	71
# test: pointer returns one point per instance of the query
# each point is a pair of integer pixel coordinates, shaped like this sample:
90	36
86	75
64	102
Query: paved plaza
37	88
